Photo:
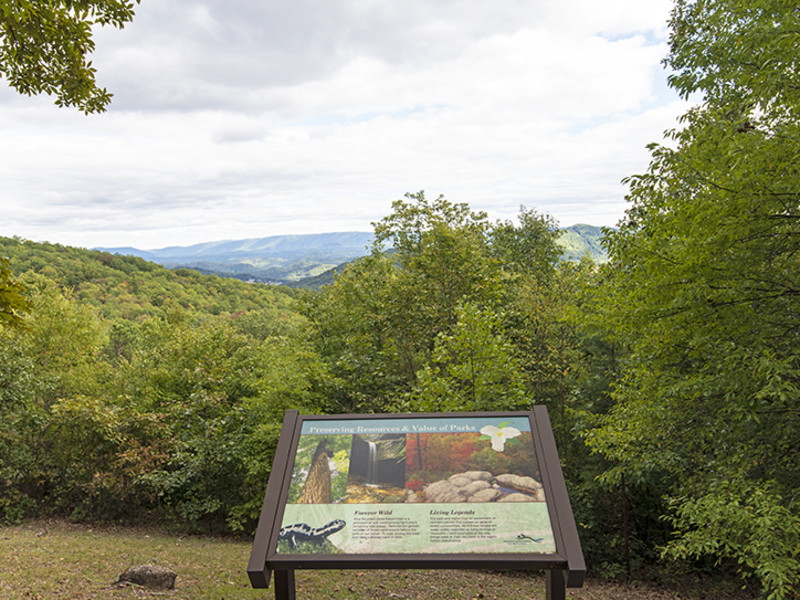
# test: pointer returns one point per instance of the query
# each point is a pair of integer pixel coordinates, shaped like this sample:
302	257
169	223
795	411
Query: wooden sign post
417	491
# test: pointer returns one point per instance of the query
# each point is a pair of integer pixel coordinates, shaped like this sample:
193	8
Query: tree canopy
45	47
430	322
702	284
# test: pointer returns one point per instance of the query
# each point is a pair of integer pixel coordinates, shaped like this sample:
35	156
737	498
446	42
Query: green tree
379	322
54	355
353	332
13	303
471	369
438	306
444	256
64	338
737	53
702	284
18	387
44	47
222	394
529	249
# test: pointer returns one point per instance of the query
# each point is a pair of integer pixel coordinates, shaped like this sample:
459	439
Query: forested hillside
128	287
131	391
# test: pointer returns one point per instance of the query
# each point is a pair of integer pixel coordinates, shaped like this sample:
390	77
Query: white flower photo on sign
499	435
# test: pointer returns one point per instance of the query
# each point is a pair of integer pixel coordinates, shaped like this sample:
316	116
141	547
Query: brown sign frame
565	567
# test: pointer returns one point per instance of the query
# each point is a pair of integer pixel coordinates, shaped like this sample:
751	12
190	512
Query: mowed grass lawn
57	560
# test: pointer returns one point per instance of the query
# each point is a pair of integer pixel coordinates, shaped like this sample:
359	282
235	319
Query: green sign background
378	478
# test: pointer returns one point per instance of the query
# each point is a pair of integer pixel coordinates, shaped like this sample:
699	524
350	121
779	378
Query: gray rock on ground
149	576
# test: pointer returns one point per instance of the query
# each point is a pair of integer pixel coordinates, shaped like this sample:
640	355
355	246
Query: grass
57	560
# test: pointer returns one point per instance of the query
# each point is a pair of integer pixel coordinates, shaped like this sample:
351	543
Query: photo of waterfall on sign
377	473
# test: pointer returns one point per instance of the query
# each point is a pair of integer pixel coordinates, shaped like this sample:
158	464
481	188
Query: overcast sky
235	119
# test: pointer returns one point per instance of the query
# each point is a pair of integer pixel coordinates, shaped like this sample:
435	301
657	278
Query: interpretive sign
459	490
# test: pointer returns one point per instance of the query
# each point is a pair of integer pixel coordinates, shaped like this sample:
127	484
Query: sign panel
458	490
416	485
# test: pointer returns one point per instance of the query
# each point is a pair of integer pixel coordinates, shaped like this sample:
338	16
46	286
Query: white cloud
241	119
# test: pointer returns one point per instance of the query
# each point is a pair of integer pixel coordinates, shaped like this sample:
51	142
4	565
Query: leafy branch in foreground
44	47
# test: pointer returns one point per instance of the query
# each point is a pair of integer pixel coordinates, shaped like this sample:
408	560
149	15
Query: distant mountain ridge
581	239
344	243
289	259
273	259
